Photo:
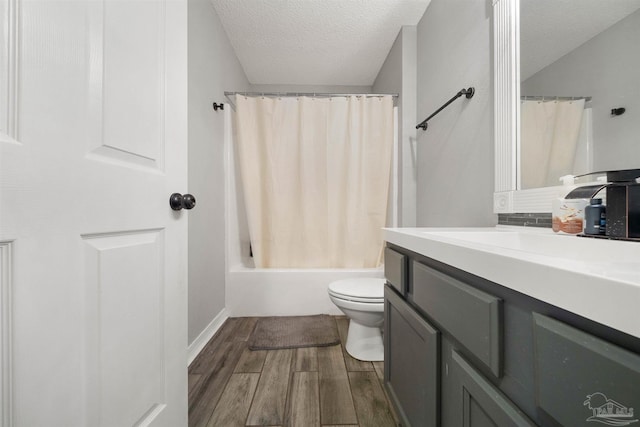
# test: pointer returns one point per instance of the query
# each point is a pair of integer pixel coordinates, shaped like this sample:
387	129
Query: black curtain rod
467	92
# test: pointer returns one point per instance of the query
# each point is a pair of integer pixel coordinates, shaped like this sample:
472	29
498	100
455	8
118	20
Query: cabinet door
411	362
581	378
475	402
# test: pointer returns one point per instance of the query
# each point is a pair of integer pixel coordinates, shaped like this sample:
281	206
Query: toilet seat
364	290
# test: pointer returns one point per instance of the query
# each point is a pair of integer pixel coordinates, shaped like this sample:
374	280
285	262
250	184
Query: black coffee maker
623	205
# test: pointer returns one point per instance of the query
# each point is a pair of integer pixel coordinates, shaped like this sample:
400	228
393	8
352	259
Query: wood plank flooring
230	385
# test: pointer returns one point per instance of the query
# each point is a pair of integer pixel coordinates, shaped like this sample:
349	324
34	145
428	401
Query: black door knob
177	201
188	201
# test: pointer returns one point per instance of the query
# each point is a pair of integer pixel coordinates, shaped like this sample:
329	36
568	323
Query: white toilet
362	300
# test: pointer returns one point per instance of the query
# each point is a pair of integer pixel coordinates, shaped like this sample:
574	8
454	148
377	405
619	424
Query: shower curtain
549	137
315	174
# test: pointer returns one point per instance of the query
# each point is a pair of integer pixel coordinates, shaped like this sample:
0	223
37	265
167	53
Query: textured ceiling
315	42
552	28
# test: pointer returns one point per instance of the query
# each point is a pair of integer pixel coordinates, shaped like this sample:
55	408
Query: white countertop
595	278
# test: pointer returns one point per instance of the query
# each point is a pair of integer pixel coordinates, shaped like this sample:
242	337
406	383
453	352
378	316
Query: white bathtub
285	292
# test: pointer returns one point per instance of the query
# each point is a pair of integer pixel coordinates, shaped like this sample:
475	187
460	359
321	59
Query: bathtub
285	292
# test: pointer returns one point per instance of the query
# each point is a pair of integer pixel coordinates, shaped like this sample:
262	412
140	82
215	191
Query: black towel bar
467	92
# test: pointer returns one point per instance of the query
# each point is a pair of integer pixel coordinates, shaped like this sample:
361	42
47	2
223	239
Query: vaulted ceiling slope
315	42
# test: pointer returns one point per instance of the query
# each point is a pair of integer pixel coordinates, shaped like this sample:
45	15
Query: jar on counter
595	218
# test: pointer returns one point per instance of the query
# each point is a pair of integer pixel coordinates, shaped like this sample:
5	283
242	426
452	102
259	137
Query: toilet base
365	342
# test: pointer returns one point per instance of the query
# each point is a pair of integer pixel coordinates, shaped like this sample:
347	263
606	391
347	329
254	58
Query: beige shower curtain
315	174
549	137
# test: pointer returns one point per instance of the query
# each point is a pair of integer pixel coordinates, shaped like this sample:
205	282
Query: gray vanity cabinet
461	351
411	362
428	373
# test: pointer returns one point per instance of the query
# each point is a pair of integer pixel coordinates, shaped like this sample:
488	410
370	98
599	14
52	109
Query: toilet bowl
362	301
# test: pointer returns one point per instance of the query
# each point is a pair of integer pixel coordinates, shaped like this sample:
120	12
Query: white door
92	259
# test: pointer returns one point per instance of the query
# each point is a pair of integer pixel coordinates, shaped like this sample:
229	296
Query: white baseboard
198	344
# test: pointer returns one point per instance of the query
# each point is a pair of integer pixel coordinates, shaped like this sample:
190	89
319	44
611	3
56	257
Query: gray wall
455	154
213	68
606	68
398	75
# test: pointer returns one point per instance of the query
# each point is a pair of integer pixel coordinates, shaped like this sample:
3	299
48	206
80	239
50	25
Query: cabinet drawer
411	363
395	269
472	316
582	378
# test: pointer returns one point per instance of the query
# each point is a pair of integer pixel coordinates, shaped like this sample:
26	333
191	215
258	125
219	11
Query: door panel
126	101
97	287
6	285
8	68
125	318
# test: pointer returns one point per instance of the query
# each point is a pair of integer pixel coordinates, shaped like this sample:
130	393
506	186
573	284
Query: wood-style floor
230	385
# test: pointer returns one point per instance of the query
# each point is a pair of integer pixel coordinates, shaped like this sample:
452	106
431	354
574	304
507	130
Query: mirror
576	64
